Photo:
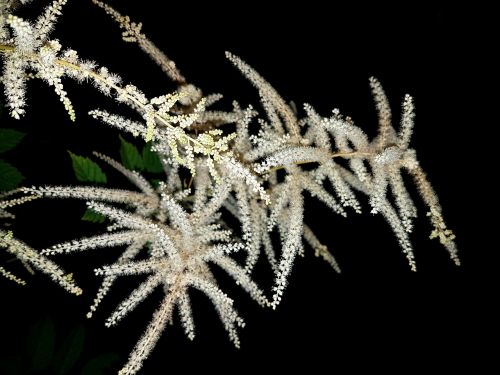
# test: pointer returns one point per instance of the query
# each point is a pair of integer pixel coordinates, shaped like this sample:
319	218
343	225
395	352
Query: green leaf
10	177
100	365
70	351
93	217
131	158
151	160
86	170
40	344
9	138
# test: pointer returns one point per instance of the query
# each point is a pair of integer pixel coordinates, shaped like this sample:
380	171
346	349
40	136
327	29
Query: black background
377	313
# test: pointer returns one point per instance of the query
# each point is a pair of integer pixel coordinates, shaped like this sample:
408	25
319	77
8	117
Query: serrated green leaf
10	177
131	158
40	344
87	170
93	217
100	364
9	138
151	160
70	351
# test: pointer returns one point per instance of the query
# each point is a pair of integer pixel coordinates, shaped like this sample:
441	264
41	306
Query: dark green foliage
87	170
130	156
45	353
9	138
101	365
41	344
132	159
93	217
10	177
69	351
151	160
